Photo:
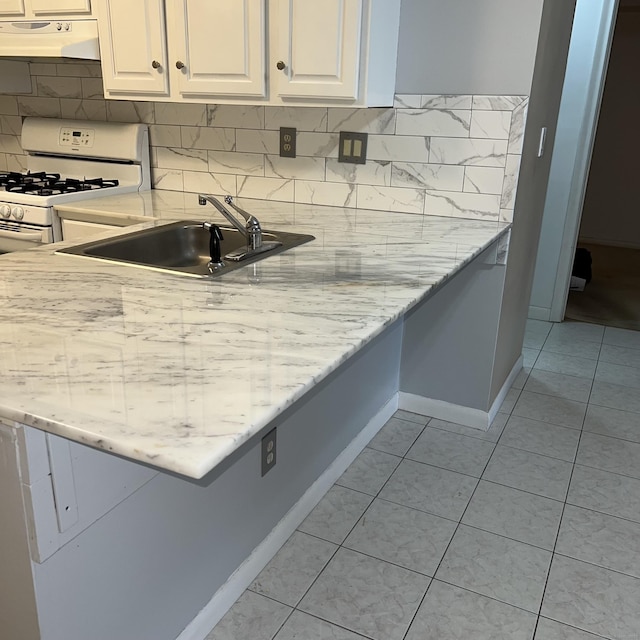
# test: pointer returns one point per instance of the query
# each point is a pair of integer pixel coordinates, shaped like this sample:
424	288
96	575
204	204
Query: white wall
467	46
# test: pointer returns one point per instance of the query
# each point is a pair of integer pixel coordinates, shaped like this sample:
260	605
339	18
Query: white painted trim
467	416
539	313
246	573
502	394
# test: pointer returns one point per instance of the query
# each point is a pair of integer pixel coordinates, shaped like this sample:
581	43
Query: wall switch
287	142
268	454
353	147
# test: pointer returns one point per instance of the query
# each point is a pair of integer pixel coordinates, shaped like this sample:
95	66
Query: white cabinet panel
11	7
219	47
319	43
67	7
132	46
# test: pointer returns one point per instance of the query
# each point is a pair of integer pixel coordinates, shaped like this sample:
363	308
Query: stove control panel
76	137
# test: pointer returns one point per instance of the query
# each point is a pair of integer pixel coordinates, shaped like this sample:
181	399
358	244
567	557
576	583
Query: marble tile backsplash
446	155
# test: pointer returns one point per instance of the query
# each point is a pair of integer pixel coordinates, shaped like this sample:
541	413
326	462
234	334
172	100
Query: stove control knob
5	211
59	26
18	213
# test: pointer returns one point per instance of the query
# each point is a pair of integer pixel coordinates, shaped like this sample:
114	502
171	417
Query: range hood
50	39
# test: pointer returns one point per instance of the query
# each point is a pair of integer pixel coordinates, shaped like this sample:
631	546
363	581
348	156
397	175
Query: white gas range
68	160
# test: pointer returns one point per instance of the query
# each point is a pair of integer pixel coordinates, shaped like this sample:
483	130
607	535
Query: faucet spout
251	230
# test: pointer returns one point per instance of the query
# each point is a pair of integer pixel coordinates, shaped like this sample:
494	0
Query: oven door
16	236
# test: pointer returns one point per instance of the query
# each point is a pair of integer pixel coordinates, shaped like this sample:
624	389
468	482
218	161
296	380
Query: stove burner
50	184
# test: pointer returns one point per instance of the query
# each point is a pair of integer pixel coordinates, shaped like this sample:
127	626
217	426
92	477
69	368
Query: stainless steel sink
183	247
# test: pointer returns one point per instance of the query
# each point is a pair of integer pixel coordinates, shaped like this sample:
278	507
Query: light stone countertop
179	372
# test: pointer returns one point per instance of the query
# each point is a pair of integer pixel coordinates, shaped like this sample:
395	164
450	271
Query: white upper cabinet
283	52
217	47
44	8
319	48
132	46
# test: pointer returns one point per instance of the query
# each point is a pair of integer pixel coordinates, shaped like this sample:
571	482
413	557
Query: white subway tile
236	116
54	87
302	118
518	123
126	111
506	215
326	193
497	103
483	180
69	68
473	151
407	101
445	102
265	188
220	184
510	185
92	88
364	120
322	145
391	199
213	138
10	144
44	69
183	114
427	176
377	172
11	125
398	148
184	159
462	205
165	135
491	124
9	105
246	164
16	162
169	179
294	168
83	109
41	107
433	122
253	141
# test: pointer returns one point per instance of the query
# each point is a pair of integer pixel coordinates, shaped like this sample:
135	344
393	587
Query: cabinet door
133	47
218	47
11	7
319	44
67	7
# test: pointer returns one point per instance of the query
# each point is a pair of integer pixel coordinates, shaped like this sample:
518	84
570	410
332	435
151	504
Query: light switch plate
353	147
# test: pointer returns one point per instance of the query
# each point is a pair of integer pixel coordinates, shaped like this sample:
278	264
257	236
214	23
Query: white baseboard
246	573
539	313
467	416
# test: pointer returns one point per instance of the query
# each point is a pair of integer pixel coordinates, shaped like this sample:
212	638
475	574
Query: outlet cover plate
353	147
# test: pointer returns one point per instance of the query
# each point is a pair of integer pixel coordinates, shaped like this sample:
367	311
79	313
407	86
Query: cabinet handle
280	65
179	65
155	64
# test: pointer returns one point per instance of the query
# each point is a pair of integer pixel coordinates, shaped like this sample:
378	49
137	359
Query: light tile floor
438	531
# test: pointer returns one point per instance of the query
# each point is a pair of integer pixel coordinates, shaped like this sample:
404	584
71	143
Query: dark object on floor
582	264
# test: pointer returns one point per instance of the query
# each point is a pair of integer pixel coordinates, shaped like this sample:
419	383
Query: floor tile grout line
604	513
572	626
450	541
600	566
564	507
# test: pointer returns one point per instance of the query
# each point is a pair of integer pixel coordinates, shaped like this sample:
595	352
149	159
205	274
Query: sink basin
183	247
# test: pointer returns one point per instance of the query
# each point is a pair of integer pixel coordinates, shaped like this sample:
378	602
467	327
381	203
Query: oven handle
27	236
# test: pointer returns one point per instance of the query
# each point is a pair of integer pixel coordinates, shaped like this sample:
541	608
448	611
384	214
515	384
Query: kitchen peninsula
133	402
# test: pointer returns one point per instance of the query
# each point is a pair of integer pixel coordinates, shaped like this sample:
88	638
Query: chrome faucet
251	230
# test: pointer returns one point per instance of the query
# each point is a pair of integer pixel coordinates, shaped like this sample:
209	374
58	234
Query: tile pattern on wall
446	155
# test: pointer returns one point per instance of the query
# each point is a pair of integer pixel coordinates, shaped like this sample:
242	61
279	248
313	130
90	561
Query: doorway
610	223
